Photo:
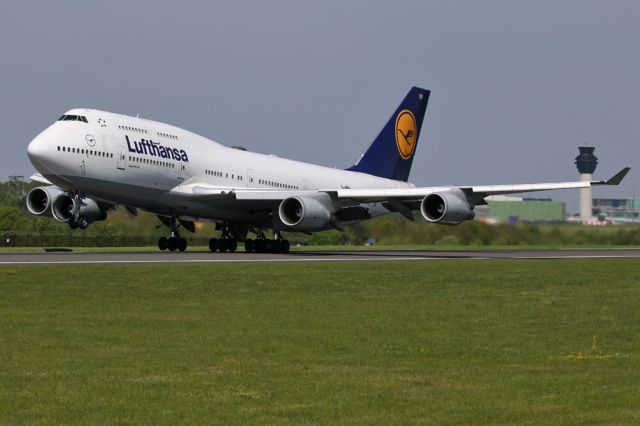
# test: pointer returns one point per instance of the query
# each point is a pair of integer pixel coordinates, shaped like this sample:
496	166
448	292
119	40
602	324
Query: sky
516	86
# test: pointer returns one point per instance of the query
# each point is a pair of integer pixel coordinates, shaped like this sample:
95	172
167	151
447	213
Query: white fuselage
137	162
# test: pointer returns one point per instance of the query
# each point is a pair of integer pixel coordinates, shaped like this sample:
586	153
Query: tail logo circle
406	133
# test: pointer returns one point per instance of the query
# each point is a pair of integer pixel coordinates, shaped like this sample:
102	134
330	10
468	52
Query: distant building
617	210
506	209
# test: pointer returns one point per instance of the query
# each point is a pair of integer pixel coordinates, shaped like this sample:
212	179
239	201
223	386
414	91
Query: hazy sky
516	86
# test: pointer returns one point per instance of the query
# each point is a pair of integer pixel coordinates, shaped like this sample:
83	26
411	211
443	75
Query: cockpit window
71	117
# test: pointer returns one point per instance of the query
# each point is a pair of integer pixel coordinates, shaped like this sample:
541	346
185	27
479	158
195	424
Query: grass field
422	342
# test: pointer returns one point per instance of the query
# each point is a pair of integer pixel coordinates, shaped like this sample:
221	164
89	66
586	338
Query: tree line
120	229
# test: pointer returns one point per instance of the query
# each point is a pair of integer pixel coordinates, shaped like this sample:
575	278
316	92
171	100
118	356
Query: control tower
586	163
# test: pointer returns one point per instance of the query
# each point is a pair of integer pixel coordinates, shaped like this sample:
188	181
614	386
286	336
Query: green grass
432	342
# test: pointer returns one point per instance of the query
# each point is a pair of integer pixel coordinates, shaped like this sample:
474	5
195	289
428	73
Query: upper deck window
71	117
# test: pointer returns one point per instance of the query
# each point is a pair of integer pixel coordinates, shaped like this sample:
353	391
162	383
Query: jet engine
305	213
63	207
40	199
447	207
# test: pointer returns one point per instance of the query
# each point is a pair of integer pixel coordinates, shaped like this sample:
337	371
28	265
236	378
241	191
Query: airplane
93	161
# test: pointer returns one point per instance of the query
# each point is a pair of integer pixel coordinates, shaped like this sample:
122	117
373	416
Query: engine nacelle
447	207
40	199
62	209
305	213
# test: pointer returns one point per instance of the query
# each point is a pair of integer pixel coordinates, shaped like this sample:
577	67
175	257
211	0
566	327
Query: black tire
83	222
248	245
223	245
163	243
233	245
270	246
259	246
285	246
73	224
182	244
172	244
213	244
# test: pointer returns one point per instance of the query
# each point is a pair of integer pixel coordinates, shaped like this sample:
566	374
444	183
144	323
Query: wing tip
617	178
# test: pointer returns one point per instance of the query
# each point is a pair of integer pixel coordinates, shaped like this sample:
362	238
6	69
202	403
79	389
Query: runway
40	258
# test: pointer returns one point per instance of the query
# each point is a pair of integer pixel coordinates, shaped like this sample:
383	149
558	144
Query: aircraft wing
203	192
475	194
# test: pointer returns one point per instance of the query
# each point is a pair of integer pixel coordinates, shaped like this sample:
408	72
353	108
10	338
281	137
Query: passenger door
249	177
121	161
182	172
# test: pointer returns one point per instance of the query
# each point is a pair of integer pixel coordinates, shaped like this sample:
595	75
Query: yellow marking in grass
583	356
592	355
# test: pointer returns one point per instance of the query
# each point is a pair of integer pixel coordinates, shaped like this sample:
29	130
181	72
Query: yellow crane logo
406	133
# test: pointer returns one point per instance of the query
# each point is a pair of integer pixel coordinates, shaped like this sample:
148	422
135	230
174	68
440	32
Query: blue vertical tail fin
391	153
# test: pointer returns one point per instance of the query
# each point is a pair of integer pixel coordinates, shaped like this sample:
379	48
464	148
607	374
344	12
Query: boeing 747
92	161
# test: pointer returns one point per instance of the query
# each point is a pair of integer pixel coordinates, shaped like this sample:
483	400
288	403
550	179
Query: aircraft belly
160	201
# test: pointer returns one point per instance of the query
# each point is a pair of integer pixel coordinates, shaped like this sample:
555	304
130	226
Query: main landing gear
172	243
225	243
263	245
175	242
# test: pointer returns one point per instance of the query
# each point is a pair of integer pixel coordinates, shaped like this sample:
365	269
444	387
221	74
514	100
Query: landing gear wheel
213	244
270	246
223	245
163	244
73	224
284	246
173	243
259	246
83	222
233	245
248	245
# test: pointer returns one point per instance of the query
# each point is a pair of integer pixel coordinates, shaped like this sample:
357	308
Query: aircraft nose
37	150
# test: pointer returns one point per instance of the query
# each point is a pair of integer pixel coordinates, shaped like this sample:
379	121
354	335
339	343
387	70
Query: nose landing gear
76	220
